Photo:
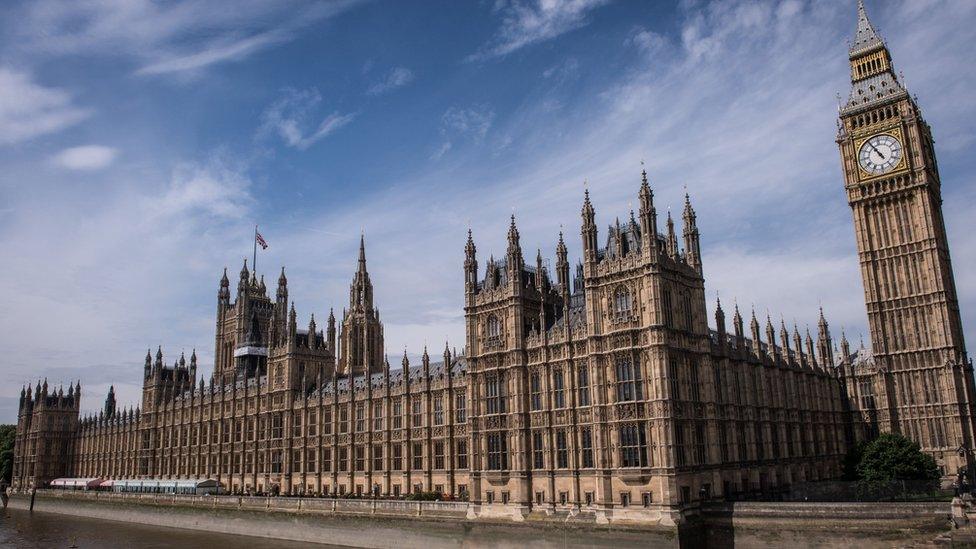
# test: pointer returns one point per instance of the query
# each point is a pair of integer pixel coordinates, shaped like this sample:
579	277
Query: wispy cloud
29	109
170	37
470	123
289	117
529	22
130	260
86	157
396	78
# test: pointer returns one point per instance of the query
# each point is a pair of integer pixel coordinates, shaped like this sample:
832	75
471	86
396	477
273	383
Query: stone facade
604	390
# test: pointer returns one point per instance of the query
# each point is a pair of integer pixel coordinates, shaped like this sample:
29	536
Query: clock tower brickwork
917	380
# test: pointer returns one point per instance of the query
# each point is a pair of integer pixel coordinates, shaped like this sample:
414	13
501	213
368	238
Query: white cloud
86	157
170	37
140	263
29	110
471	123
396	78
289	116
529	22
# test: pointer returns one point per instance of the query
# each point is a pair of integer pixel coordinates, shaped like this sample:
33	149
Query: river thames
36	530
23	529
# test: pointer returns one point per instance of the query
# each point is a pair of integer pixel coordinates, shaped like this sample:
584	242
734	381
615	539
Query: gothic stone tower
893	187
362	332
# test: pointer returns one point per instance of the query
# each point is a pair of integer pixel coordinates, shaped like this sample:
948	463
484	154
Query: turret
331	332
691	236
193	365
562	267
771	339
588	230
405	363
243	283
147	371
825	347
754	333
292	324
720	321
845	347
311	332
223	293
513	255
784	336
110	402
647	213
470	266
737	325
811	356
672	242
447	363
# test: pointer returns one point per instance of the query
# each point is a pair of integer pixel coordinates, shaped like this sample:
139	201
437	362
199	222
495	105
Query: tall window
558	389
313	423
397	457
327	459
418	456
700	450
495	395
537	450
296	425
622	302
462	454
583	375
695	387
378	416
673	382
633	446
535	391
360	458
418	416
586	444
439	455
497	452
493	328
628	381
438	411
378	457
562	453
360	417
327	421
668	308
397	414
343	419
276	427
460	410
679	445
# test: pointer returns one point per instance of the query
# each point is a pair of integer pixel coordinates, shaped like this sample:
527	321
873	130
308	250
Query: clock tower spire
919	359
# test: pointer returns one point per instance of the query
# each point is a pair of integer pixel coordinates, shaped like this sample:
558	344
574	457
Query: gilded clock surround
893	131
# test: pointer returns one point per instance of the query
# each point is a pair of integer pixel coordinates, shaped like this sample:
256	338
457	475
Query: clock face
880	154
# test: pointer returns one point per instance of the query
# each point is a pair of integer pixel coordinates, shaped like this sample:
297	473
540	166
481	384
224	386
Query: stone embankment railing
361	507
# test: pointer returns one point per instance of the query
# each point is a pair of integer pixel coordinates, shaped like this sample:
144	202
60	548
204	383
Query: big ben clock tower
920	368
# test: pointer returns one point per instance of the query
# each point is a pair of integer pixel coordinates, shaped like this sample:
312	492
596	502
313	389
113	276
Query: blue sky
140	142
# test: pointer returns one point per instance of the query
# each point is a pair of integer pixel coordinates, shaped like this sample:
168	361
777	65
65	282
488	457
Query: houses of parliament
601	386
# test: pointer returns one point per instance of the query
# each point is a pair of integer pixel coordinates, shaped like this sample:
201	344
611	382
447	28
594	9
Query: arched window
622	303
493	328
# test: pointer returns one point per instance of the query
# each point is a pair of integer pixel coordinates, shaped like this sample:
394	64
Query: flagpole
254	265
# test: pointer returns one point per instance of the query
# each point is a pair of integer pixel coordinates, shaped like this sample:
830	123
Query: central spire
866	37
362	253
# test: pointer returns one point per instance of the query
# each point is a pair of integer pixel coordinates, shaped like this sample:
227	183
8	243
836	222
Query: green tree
7	433
894	457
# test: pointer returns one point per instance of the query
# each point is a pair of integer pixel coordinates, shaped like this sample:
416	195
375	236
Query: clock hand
876	150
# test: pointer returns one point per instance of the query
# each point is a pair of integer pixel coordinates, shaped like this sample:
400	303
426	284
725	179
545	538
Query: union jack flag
260	240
